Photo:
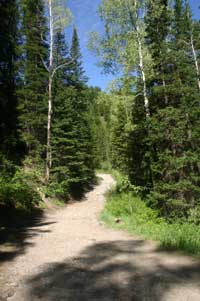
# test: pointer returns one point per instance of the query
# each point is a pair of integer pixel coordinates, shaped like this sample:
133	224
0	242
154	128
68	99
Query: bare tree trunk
196	61
140	53
48	151
141	63
165	95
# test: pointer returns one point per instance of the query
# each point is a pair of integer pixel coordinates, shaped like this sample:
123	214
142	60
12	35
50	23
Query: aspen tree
58	18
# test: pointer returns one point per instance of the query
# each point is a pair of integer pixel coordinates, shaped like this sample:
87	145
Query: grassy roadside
137	218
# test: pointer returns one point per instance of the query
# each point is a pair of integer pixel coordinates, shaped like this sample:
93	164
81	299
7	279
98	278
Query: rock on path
73	257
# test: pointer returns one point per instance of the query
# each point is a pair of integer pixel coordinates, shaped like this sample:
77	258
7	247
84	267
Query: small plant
194	215
124	184
57	190
17	193
140	219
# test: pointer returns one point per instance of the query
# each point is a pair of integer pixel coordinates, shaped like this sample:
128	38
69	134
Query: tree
158	20
32	91
8	101
72	149
59	17
101	116
123	43
174	124
191	36
77	73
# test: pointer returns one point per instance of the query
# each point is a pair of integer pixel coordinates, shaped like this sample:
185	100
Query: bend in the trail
74	257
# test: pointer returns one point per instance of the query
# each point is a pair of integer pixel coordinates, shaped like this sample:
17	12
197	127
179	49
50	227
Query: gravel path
74	257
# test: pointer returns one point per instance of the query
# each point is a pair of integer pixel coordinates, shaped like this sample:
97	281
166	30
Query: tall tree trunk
134	21
165	95
195	61
49	151
141	63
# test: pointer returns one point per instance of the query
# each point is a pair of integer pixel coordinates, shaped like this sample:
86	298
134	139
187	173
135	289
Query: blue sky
87	20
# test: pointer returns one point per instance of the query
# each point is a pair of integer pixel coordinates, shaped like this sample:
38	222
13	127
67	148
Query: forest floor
68	254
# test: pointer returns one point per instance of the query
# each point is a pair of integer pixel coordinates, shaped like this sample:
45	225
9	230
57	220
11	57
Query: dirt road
71	256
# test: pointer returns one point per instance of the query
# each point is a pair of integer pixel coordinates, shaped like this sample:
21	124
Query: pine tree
157	21
61	56
174	125
33	97
139	169
59	17
78	77
8	101
101	107
72	148
120	140
61	119
73	167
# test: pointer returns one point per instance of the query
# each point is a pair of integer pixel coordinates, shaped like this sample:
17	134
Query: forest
57	132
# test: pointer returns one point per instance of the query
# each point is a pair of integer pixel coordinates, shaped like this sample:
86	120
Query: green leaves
61	15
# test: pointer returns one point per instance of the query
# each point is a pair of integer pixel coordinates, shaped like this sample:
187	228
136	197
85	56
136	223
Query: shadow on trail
112	271
17	226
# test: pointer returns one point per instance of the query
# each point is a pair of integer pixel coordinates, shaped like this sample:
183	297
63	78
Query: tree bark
48	151
195	61
141	63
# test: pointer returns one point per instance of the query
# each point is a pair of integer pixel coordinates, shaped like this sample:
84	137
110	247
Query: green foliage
194	215
32	95
9	138
72	140
73	166
174	124
78	77
139	219
58	189
124	184
61	15
159	153
23	106
17	192
119	140
100	120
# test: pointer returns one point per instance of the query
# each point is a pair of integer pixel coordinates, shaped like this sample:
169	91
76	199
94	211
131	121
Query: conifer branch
61	66
44	64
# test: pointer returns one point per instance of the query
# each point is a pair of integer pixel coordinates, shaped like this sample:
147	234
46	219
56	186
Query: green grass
139	219
59	203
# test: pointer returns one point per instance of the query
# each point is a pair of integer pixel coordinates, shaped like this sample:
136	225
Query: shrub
140	219
17	192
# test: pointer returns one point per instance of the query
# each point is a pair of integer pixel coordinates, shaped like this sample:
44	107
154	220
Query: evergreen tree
8	101
119	140
33	98
139	169
101	113
73	167
61	56
174	126
78	77
71	132
157	21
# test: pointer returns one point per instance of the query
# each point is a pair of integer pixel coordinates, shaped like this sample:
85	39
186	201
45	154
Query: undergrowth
20	190
136	217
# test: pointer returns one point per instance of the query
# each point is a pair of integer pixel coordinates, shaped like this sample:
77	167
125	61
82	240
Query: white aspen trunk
141	64
166	97
48	151
196	61
141	58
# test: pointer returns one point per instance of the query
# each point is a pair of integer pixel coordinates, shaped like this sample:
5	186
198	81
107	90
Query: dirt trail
74	257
